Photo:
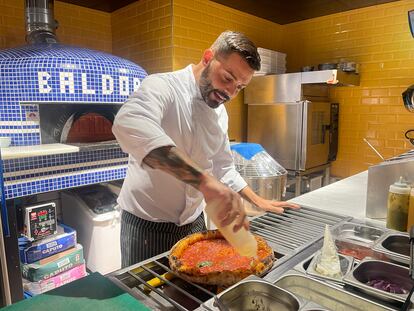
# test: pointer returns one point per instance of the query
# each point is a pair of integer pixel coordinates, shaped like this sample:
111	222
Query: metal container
375	269
316	294
395	246
357	240
263	174
381	176
255	294
346	263
357	233
271	188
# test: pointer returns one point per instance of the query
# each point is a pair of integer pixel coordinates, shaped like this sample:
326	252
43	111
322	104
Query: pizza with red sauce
207	258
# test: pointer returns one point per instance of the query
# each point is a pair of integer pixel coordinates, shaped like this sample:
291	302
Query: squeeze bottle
243	240
397	205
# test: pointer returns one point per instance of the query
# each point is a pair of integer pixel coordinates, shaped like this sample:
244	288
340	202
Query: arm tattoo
174	162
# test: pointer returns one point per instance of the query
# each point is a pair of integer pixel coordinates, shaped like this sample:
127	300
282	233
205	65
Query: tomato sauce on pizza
215	255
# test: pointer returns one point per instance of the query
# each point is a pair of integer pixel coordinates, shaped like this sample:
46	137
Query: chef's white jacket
168	110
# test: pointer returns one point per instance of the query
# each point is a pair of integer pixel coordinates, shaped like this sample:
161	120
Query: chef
174	129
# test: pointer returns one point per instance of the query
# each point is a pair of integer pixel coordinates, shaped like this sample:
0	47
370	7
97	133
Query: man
175	131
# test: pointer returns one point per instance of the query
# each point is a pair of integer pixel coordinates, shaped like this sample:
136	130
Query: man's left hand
277	207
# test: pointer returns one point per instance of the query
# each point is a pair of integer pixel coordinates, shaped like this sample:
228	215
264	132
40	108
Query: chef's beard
207	89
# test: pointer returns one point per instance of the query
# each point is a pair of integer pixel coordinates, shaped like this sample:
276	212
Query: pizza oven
57	105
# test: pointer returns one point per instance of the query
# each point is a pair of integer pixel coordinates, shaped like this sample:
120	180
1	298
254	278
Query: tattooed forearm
174	162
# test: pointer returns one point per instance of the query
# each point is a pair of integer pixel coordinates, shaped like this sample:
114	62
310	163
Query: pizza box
56	281
33	251
50	266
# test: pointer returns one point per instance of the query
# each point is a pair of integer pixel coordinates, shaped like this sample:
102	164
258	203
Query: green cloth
93	292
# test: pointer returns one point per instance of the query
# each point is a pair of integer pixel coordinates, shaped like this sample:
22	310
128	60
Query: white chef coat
168	110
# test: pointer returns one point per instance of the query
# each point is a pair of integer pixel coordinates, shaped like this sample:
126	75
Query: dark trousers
142	239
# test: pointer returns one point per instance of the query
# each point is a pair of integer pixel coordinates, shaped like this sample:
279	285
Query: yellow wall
196	25
142	32
77	25
379	39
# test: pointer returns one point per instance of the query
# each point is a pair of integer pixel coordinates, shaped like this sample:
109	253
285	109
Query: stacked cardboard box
52	261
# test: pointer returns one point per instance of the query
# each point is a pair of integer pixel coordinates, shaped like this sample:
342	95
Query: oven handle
325	127
4	214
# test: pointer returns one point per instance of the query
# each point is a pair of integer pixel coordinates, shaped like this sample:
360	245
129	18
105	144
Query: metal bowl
326	66
375	269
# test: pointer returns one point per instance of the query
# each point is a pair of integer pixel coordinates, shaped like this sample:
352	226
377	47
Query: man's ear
207	57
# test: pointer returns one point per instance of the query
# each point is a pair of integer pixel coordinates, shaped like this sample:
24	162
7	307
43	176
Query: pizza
207	258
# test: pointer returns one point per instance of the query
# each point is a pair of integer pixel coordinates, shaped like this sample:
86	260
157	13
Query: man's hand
229	203
277	207
265	205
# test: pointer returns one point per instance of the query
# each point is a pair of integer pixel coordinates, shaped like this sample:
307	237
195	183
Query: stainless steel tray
357	233
369	269
346	263
319	295
394	246
256	294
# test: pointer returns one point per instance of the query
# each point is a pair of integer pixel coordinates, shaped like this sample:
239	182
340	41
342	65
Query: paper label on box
63	262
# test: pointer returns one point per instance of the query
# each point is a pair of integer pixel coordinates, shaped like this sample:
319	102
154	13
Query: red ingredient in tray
387	286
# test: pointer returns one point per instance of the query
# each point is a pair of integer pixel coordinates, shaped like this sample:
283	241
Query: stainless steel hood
287	88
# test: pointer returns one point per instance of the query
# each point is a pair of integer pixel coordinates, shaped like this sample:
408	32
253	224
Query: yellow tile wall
197	23
142	32
77	25
379	39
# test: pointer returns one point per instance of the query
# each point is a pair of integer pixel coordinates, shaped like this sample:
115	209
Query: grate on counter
286	234
294	229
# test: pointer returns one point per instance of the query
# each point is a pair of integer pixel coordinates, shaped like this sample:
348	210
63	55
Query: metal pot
271	188
327	66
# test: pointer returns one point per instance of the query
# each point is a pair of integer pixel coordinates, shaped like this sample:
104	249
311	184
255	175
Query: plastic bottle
243	240
397	206
410	221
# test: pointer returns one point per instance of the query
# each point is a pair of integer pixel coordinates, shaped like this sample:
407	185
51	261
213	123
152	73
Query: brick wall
197	23
379	39
142	32
77	25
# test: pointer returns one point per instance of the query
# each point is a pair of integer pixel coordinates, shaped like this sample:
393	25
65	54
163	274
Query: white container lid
400	187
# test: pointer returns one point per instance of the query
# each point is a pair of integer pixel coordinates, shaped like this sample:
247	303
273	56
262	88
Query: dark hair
235	42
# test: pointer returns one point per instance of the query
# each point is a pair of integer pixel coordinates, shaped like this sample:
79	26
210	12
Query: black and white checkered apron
142	239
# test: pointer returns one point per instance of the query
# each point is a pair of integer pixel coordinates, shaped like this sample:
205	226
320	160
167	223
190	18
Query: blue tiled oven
43	89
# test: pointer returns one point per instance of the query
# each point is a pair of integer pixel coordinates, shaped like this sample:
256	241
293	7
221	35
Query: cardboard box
34	251
53	265
56	281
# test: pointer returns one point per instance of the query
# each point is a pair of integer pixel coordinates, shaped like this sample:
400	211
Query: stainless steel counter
347	197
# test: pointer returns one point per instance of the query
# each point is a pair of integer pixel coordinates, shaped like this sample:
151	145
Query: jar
397	205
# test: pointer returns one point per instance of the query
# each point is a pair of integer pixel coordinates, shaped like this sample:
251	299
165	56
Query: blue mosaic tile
64	182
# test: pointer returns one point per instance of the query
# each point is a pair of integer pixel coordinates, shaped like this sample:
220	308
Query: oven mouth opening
88	126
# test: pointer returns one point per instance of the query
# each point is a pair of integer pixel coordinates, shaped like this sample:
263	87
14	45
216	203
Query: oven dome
57	72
